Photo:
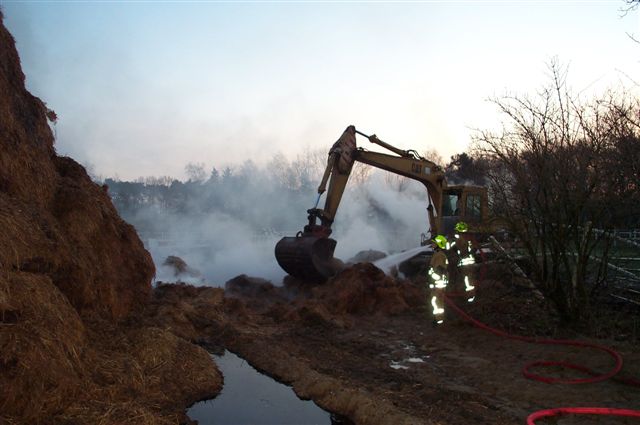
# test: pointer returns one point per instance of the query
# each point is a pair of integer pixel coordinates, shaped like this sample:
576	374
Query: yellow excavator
309	255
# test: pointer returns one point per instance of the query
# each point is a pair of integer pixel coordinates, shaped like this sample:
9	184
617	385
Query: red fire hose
595	377
581	411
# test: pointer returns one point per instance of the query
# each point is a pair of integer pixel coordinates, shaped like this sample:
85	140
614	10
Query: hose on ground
581	411
527	369
595	377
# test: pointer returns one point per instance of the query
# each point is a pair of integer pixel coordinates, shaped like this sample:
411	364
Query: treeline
248	193
269	196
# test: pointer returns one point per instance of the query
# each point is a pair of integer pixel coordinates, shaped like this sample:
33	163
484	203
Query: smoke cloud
229	224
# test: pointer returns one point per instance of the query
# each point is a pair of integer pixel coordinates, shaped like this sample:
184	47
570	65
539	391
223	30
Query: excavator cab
464	203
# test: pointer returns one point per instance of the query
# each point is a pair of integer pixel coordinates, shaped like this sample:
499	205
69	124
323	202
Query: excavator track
309	258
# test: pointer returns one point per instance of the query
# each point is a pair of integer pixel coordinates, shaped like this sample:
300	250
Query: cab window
451	205
474	207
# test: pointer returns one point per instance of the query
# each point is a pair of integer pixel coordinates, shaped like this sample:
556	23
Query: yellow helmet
441	241
461	227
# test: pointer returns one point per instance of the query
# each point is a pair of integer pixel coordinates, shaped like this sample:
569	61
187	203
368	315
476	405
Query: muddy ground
364	347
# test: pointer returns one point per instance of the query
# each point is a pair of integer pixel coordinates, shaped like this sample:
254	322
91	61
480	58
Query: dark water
251	398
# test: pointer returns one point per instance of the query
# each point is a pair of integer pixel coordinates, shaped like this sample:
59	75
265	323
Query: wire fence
632	235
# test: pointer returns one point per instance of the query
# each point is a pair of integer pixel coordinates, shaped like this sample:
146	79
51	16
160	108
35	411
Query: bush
561	175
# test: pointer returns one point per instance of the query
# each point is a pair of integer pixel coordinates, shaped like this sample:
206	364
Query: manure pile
360	290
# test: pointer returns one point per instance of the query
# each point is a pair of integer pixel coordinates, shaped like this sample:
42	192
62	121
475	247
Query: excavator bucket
308	258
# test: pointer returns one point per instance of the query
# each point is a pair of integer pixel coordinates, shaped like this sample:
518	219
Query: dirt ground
391	365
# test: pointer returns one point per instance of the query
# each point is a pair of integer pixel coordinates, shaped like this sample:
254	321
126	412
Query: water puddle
249	397
407	354
385	264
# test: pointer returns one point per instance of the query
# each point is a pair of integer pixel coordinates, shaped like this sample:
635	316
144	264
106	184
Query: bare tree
196	172
630	5
309	166
434	156
279	169
551	170
397	182
360	173
303	172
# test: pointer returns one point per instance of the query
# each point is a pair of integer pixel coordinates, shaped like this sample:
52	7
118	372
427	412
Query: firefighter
438	274
463	250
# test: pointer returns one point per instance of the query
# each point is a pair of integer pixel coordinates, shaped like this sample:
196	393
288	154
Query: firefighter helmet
441	241
461	227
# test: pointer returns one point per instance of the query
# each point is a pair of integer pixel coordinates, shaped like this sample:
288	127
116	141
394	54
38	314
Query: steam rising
230	225
380	216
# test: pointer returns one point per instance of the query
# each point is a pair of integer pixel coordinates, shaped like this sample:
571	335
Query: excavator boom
309	255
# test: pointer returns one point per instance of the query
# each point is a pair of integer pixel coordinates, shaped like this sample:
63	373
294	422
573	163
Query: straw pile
365	289
72	274
57	370
55	221
42	340
359	290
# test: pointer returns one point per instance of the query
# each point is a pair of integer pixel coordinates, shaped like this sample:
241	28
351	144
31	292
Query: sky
143	88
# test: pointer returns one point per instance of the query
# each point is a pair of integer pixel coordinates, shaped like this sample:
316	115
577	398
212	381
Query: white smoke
372	215
377	216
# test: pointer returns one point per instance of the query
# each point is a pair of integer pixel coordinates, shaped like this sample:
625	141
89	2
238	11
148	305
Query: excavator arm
309	255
